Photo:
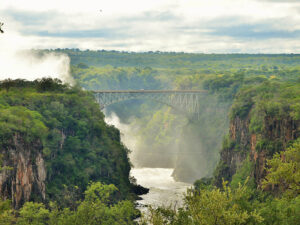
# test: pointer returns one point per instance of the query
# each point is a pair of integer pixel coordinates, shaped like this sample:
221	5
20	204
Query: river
163	189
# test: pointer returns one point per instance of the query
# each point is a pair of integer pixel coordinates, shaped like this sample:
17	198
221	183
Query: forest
243	154
83	162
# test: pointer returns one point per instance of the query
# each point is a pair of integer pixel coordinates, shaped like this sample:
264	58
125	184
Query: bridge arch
187	101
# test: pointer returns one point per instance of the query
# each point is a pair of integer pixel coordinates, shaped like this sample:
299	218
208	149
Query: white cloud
170	25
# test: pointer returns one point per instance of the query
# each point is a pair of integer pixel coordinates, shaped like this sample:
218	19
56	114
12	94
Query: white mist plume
15	63
127	135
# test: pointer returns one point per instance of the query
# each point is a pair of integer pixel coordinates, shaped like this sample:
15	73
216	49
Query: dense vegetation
98	207
179	60
77	145
266	120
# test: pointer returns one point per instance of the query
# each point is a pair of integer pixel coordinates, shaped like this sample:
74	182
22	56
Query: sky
202	26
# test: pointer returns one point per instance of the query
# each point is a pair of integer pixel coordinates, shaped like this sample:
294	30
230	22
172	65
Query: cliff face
259	146
24	176
275	137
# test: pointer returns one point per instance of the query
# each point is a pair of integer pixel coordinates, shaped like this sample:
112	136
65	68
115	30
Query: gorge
55	141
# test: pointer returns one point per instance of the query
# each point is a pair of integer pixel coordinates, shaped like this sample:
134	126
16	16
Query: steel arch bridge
185	101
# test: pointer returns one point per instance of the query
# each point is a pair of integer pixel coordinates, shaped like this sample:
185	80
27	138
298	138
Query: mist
144	154
128	136
168	139
18	62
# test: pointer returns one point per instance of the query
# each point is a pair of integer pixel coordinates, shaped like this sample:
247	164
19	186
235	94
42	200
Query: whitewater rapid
163	189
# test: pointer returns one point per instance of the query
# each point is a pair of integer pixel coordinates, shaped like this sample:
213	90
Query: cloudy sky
219	26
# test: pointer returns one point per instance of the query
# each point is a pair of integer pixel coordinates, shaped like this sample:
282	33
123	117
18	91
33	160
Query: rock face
24	174
260	146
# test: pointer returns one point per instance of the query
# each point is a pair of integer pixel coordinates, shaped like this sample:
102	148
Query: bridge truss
185	101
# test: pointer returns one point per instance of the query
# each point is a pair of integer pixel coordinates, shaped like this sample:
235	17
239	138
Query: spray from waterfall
127	135
17	61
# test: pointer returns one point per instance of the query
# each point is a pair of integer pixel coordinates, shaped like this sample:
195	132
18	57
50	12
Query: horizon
158	51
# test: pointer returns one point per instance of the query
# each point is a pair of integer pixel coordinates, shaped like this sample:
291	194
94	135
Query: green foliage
206	206
33	213
257	64
103	193
228	143
113	78
82	66
280	211
283	171
6	212
77	144
242	104
96	208
243	173
203	183
225	85
18	119
270	99
221	172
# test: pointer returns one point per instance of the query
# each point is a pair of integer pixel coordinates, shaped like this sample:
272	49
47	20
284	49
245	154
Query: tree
6	212
283	171
33	213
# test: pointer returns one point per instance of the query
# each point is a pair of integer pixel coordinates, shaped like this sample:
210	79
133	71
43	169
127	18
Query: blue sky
215	26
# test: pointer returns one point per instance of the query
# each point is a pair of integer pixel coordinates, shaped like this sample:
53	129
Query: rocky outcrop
260	146
24	174
276	135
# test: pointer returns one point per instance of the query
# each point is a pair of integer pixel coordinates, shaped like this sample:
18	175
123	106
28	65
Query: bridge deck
150	91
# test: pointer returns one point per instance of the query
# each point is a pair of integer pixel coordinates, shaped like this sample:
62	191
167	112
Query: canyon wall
23	175
244	143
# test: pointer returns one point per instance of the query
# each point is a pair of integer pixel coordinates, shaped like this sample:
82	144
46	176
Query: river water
163	189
